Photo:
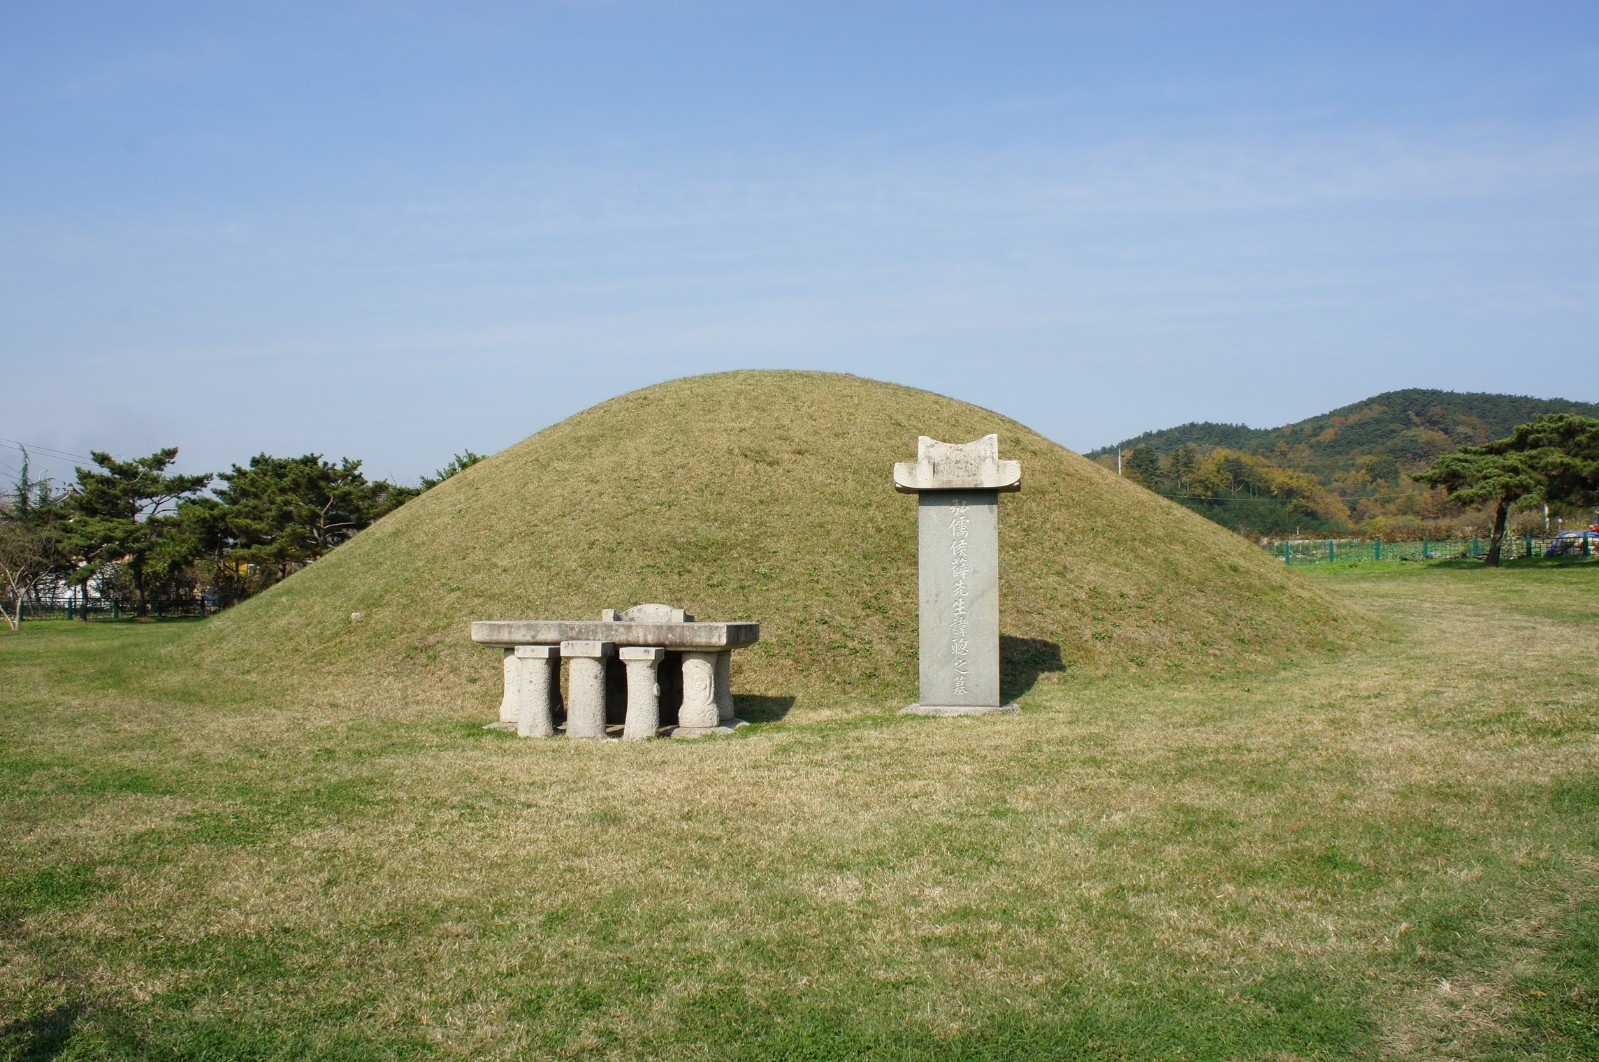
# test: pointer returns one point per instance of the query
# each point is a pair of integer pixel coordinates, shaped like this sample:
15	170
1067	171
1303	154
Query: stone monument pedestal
958	488
957	709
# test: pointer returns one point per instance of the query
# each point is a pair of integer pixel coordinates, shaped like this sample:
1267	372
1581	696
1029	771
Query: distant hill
1412	426
1348	469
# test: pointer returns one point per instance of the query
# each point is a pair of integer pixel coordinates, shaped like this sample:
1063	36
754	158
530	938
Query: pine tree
124	515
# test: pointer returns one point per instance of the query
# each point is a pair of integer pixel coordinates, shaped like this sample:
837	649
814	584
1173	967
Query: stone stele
957	488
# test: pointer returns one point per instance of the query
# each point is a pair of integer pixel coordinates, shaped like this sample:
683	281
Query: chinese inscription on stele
960	568
958	488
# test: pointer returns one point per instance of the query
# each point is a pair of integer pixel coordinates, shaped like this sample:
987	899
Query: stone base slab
509	724
727	726
959	709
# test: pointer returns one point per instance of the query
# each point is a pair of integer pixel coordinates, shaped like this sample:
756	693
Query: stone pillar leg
538	688
512	668
724	685
699	709
643	691
585	707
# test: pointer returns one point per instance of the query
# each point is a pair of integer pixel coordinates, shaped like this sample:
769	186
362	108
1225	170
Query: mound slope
766	496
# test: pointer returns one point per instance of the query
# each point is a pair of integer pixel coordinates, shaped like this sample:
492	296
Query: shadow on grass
757	709
1022	660
44	1035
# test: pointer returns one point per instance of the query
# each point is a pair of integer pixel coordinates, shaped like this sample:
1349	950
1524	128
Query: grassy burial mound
766	496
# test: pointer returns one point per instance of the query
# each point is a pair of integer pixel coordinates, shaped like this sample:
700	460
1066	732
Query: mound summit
766	496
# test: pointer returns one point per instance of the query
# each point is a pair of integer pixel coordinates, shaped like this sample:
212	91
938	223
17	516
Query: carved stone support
513	669
536	692
724	685
585	681
700	709
643	691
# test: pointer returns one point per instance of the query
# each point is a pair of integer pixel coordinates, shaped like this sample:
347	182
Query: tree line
134	531
1461	491
1365	457
1237	489
137	532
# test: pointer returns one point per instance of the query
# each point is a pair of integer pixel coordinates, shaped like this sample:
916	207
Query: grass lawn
1390	853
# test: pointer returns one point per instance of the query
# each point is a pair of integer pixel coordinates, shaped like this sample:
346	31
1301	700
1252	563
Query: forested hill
1411	427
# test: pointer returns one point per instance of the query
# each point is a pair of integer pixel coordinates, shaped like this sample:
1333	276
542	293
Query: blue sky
395	231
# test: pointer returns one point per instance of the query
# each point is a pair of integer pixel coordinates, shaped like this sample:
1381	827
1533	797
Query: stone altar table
642	650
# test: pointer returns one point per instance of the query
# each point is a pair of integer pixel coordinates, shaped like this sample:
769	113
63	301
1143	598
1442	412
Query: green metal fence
97	609
1349	550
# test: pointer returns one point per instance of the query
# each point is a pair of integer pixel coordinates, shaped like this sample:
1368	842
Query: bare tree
31	554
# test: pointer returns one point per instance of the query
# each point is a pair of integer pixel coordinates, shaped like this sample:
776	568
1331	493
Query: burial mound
765	496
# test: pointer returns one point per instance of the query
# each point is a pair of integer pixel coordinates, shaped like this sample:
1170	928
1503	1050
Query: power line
46	451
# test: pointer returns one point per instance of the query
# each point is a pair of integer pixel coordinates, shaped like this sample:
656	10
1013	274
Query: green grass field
1389	852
